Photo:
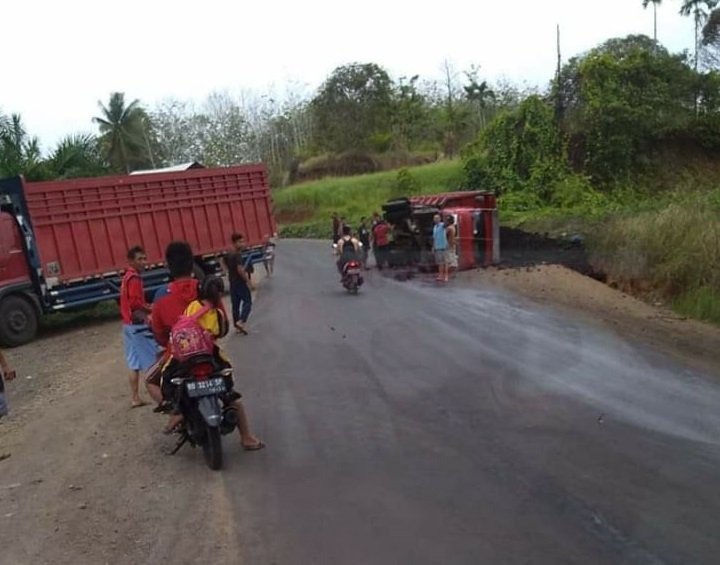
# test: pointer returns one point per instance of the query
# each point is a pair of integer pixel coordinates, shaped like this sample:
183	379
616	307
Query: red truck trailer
63	244
476	221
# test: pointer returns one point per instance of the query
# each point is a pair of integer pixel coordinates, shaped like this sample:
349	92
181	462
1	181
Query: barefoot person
140	347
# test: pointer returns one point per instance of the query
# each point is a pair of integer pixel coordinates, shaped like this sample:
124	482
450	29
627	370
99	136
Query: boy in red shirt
140	347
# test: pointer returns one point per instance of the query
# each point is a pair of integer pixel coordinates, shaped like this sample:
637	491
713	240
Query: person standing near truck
381	238
451	232
364	237
440	248
241	285
140	347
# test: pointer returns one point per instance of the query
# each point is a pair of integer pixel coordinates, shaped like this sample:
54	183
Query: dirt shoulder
88	479
695	343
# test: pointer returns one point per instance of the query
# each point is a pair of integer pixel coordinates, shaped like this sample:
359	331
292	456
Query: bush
674	251
406	184
522	150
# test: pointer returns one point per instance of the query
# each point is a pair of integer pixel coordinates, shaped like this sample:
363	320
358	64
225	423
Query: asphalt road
411	424
421	424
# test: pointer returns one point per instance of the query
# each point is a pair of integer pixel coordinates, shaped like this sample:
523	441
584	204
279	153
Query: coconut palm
123	132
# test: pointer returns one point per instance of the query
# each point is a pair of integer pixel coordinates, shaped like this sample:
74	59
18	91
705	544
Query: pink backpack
189	339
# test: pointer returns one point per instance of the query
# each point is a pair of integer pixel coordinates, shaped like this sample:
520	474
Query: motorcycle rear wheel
212	448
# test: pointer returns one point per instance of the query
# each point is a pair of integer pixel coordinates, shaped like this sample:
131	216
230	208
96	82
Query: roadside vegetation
622	148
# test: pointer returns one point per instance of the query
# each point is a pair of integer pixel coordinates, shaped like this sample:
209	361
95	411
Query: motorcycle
352	276
203	394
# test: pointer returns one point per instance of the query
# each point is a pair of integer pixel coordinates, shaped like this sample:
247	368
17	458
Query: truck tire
19	321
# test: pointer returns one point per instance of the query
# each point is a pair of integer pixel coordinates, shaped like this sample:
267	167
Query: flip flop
257	447
142	403
163	408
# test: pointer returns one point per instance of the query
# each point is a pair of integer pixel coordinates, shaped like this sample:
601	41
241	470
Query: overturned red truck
63	244
476	220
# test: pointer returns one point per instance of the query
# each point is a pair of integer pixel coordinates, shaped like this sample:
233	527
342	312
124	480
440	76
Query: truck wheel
18	321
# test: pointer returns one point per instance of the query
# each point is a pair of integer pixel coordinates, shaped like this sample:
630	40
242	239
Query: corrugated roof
173	169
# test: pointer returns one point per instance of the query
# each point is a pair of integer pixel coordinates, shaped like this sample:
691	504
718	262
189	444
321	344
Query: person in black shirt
241	285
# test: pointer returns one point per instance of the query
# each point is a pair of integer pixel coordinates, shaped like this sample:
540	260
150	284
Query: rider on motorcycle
348	248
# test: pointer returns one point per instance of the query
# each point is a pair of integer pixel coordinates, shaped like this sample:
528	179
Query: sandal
257	447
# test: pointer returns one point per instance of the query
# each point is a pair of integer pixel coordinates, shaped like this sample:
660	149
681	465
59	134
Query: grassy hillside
304	210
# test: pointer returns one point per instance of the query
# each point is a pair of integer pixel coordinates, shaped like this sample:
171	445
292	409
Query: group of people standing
147	327
376	236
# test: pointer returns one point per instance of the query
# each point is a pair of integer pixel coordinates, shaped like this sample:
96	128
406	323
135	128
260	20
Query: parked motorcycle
203	394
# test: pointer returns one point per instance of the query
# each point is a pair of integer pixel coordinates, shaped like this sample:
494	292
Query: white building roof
173	169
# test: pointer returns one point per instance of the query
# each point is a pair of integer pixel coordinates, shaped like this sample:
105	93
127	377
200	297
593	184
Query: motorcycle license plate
353	271
206	388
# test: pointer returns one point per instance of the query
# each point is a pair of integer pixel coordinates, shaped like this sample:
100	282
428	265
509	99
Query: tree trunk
655	21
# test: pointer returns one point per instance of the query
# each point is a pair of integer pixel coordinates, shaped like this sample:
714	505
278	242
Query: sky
62	57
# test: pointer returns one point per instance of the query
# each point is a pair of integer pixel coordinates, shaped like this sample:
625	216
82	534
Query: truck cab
13	265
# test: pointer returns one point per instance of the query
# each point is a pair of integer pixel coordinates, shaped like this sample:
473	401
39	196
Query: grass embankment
304	210
663	242
663	245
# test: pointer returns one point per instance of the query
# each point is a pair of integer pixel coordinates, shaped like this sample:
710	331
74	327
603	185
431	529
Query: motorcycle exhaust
229	420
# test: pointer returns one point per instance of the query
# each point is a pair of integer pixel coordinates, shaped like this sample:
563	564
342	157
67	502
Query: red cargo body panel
468	199
84	227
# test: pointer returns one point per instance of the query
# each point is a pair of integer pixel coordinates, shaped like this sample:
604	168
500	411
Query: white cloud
67	55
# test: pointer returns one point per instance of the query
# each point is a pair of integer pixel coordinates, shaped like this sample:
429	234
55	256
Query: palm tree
655	4
19	153
697	9
77	155
123	132
480	94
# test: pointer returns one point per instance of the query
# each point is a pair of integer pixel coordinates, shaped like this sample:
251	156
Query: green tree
124	133
409	116
520	151
698	9
19	153
352	106
76	156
